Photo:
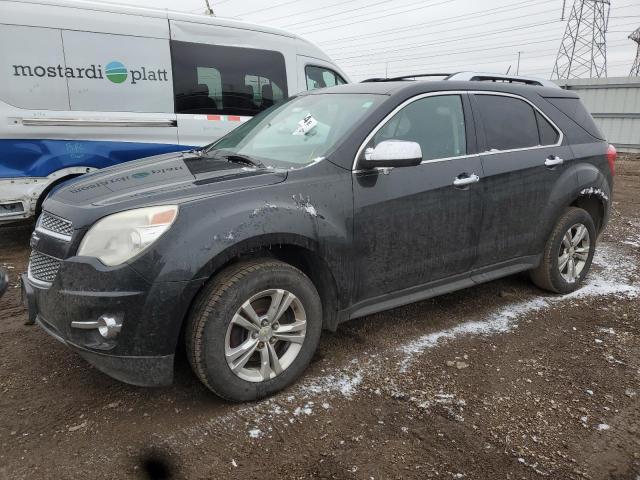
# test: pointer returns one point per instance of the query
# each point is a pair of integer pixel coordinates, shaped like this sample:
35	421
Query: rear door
412	225
522	159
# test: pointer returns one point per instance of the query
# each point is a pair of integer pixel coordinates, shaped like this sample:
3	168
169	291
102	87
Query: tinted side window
508	122
436	123
212	79
319	77
548	134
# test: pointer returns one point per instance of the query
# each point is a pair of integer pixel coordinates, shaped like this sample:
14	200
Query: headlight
121	236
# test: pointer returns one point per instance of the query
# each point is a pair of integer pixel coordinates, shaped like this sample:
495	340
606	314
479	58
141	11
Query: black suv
333	205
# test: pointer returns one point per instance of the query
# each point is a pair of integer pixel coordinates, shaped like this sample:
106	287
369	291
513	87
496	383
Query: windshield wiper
234	157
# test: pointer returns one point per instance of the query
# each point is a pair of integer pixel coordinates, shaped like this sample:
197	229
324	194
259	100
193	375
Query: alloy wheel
265	335
574	252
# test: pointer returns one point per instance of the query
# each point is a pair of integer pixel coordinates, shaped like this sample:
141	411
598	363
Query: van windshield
298	132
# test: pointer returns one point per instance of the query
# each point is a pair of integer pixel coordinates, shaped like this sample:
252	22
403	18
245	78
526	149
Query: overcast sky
368	38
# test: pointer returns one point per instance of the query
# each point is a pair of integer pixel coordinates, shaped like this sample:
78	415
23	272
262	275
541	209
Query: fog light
109	326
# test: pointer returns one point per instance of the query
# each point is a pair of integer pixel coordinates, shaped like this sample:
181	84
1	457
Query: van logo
140	175
116	72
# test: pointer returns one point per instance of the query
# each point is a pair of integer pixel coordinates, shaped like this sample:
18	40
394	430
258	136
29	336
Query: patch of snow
306	410
595	191
344	384
602	426
255	433
613	278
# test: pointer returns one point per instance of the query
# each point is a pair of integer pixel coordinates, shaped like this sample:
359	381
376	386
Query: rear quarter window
576	111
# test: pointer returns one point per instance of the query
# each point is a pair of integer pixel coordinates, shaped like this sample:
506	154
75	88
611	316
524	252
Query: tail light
611	158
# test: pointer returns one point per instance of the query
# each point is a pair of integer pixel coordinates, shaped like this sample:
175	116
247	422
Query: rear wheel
568	253
254	329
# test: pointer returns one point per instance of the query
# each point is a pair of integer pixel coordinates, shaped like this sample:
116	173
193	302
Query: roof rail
496	77
406	77
474	77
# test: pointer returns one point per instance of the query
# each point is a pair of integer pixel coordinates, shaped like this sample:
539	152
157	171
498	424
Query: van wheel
568	253
254	329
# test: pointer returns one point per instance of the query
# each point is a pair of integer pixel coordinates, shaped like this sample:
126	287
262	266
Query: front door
412	224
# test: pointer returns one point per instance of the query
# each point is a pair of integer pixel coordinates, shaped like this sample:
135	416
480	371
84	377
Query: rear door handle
552	161
463	180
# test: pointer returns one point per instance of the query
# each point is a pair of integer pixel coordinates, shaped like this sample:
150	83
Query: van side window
548	134
265	92
436	123
214	79
508	122
320	77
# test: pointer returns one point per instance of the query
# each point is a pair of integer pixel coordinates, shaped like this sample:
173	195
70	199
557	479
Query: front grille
55	224
43	267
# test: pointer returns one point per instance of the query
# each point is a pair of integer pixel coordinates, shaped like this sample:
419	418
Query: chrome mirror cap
393	153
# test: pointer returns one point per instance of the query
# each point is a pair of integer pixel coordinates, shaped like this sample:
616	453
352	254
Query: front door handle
553	161
463	180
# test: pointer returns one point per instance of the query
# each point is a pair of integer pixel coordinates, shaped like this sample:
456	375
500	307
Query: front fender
311	209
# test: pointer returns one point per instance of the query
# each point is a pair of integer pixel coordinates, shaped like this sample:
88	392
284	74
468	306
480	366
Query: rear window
509	123
214	79
575	109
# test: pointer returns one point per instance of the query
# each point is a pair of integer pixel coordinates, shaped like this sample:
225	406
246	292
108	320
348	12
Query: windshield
298	132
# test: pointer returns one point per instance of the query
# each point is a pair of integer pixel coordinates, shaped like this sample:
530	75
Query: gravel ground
497	381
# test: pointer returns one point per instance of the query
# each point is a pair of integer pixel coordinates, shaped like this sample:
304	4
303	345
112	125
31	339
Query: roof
158	13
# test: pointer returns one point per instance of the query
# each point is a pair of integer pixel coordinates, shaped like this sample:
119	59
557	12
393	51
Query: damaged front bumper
19	197
143	351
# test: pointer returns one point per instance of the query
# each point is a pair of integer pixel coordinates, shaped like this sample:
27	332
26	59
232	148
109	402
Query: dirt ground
501	381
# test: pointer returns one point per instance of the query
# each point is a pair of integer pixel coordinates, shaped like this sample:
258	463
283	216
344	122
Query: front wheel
254	329
568	253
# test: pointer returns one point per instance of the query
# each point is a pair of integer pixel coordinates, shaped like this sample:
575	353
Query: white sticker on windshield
305	125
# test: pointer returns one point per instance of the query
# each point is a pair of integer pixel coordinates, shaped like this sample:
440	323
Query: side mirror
393	153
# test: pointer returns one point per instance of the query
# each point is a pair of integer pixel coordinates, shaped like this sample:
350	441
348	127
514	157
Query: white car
88	85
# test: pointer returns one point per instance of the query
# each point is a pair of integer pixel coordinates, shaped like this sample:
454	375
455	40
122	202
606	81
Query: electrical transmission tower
583	51
635	69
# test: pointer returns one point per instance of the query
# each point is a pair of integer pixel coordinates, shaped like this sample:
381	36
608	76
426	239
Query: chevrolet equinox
332	205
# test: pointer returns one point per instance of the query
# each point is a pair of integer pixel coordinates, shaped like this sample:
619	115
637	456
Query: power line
444	21
397	48
443	2
304	12
314	23
459	52
337	14
463	65
447	40
268	8
467	27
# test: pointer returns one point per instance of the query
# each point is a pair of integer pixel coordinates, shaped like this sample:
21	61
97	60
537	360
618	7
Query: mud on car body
334	205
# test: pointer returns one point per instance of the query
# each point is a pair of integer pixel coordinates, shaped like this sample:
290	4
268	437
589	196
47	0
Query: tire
549	275
214	333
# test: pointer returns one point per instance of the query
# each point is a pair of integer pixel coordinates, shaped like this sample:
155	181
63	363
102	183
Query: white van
87	85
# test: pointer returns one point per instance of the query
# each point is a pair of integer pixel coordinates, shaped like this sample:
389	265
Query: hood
168	178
